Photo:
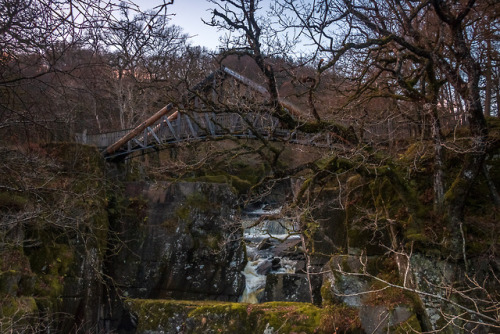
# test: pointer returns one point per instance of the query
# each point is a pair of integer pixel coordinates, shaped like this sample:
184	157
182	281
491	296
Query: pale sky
188	15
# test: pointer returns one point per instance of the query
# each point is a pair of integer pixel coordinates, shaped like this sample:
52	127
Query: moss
155	314
241	181
172	224
419	151
330	162
194	204
327	295
387	296
200	202
240	185
212	241
67	182
52	264
182	212
16	308
9	282
219	178
340	319
418	237
18	315
249	172
10	201
412	325
223	317
227	317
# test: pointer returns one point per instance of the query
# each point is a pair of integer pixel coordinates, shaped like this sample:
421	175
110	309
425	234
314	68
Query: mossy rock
239	185
196	203
52	264
18	314
412	325
172	316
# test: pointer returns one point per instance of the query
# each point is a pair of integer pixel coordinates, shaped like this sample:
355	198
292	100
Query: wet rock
377	315
300	267
287	287
264	267
186	251
289	248
265	244
345	289
430	275
276	263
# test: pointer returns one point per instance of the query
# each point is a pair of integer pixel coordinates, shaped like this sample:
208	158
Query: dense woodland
410	89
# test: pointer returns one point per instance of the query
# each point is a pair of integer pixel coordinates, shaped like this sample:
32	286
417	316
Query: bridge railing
193	126
101	139
186	126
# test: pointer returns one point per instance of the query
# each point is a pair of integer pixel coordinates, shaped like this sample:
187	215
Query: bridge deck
201	126
198	122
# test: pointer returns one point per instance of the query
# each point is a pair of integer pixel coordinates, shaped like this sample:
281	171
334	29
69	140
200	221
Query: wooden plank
114	147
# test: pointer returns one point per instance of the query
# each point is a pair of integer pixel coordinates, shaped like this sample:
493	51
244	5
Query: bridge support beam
150	121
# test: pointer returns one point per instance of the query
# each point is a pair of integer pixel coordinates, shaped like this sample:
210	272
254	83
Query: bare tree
419	45
136	42
45	46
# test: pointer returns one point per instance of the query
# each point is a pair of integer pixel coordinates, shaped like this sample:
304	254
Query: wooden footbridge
207	113
224	105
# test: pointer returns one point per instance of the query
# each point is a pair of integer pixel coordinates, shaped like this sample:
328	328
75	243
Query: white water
254	283
260	262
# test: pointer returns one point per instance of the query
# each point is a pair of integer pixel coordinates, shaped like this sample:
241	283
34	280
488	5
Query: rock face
51	259
379	312
287	287
180	243
165	257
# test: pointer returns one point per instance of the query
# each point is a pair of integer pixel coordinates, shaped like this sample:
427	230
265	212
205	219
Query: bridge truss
199	118
226	104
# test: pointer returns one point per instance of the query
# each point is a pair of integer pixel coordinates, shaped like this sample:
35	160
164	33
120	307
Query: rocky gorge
87	249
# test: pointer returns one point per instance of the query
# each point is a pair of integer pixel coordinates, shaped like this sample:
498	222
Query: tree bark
491	185
487	74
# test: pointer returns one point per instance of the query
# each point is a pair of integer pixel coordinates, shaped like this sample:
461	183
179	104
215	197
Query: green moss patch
10	201
224	317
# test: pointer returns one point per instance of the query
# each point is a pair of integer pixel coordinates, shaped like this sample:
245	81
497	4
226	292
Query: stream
272	248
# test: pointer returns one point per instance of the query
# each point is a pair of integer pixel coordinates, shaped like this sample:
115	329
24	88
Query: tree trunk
487	74
457	194
438	161
121	102
491	185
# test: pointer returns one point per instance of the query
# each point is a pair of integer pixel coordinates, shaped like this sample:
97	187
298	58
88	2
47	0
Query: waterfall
263	251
